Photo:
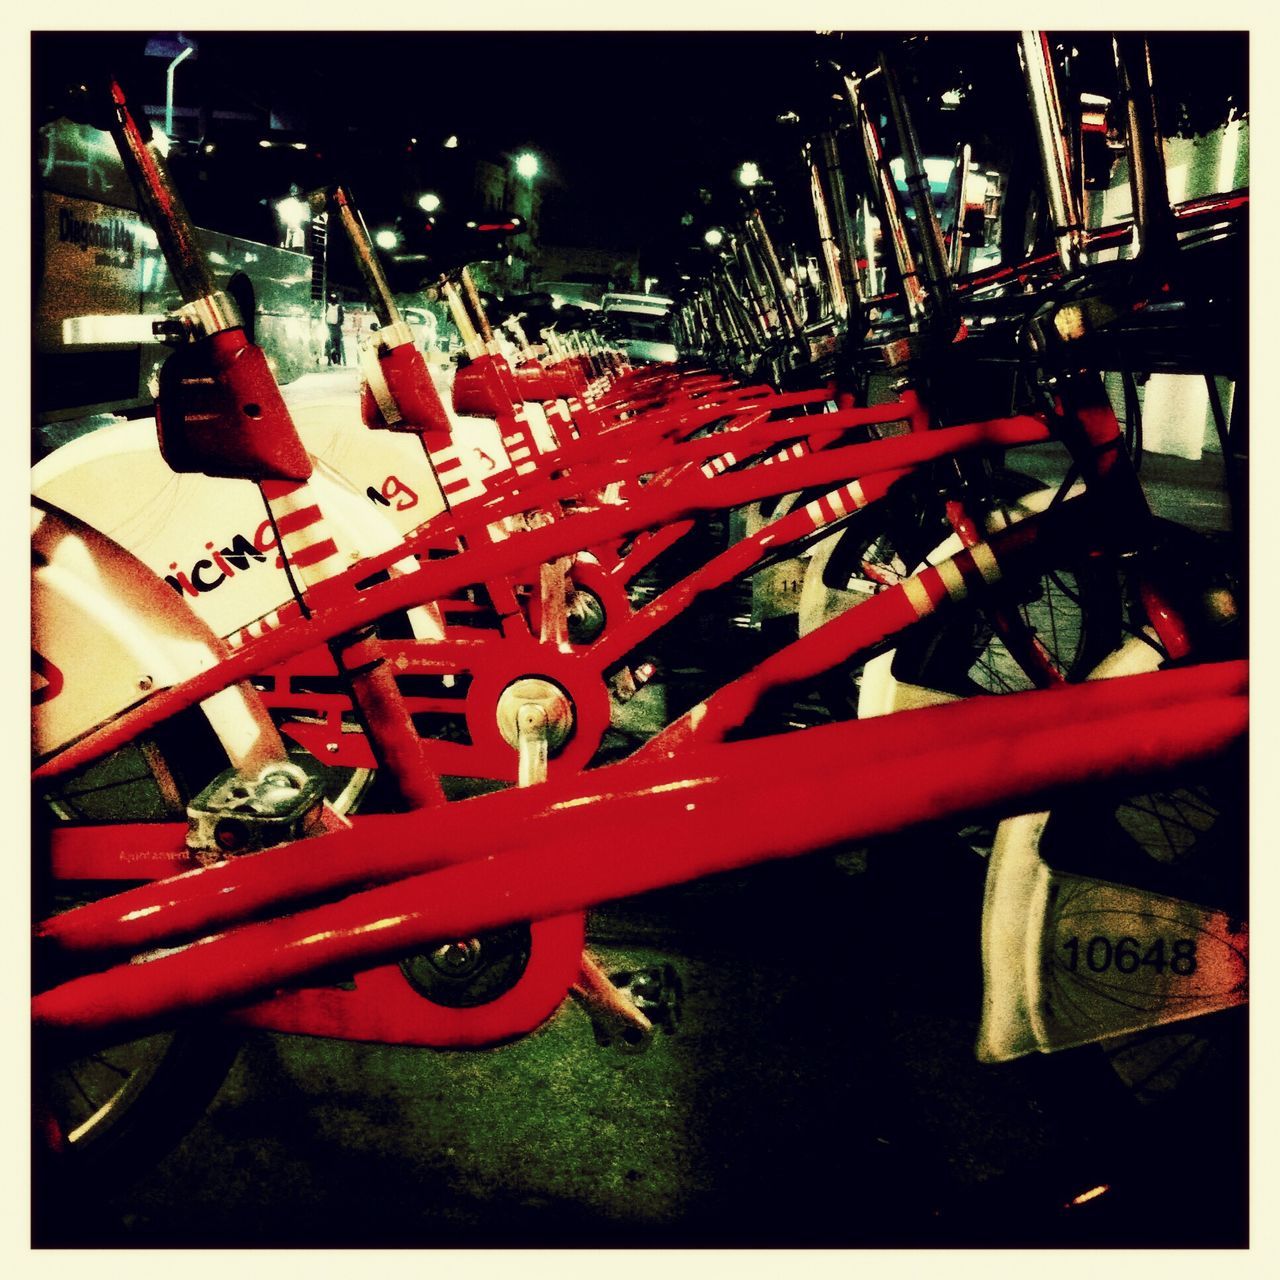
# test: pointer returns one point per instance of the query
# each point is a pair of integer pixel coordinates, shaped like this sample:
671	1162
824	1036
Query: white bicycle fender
107	634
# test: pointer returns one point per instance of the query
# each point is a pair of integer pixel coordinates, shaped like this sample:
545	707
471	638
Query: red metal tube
1024	645
397	746
524	552
870	622
631	443
710	823
340	608
731	563
692	494
383	847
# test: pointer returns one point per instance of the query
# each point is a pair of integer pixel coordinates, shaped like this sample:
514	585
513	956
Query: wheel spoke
102	1060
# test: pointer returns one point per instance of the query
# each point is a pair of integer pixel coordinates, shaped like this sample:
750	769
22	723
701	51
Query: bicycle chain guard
1071	960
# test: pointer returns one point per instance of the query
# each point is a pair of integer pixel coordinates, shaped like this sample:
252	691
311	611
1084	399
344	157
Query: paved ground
821	1090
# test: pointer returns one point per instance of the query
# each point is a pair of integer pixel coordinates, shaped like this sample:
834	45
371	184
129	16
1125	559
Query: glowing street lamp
527	165
293	212
386	238
429	203
749	174
714	236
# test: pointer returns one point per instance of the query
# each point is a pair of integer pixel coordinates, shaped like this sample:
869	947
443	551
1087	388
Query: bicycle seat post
163	210
1154	230
933	258
1059	173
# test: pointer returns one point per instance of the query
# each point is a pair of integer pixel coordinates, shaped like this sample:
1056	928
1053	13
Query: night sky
629	126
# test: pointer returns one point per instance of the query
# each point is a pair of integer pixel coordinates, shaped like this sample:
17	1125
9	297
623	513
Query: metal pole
162	209
886	194
1154	228
1059	179
168	89
773	271
933	255
371	272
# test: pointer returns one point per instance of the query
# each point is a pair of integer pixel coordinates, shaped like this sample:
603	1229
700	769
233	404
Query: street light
527	166
429	203
749	174
386	238
714	236
178	49
294	214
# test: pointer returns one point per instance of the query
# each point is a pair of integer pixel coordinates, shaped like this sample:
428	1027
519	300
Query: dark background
640	134
628	126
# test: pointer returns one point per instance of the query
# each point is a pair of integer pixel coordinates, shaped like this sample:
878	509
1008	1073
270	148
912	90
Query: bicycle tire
1074	608
940	655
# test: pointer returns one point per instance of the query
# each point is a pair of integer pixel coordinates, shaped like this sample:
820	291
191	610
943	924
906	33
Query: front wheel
106	1117
1070	611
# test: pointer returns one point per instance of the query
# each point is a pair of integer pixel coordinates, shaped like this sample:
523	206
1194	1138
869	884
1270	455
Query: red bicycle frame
534	853
347	601
708	796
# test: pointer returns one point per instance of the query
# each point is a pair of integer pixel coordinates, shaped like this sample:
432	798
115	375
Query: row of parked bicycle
395	683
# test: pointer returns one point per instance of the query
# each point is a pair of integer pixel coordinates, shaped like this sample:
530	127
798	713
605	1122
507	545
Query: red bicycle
537	708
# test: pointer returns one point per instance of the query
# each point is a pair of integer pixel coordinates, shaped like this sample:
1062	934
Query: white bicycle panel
107	634
210	538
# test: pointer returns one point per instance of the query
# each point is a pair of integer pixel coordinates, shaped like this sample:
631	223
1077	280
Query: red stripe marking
449	464
273	489
931	580
292	521
314	554
970	570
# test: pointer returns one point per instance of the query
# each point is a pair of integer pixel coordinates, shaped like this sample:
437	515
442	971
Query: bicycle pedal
656	991
630	680
234	815
628	1007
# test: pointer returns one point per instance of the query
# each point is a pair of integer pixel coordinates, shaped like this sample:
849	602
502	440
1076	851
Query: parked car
640	323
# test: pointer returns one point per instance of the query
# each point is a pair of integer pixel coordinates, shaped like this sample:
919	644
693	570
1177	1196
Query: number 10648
1128	955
